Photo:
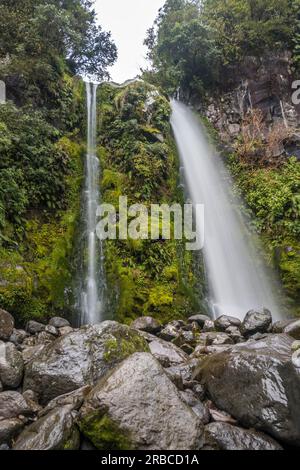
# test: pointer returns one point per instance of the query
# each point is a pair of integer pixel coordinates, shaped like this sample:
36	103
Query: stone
182	375
235	334
199	319
7	324
256	322
225	321
293	329
208	326
11	365
9	429
34	327
137	407
296	359
279	326
80	358
13	404
295	346
18	336
65	330
258	384
28	353
222	436
75	399
170	332
54	431
59	322
52	330
199	408
148	324
167	353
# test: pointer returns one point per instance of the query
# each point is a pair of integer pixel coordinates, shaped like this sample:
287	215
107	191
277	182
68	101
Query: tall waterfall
237	276
90	295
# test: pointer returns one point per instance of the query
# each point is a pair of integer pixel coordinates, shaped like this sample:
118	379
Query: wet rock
293	329
182	374
296	359
80	358
185	338
295	346
11	365
7	324
208	326
167	353
9	429
279	326
44	338
18	336
55	431
258	384
256	322
13	404
50	329
59	322
148	324
225	321
65	330
138	407
28	353
74	399
187	348
199	408
170	331
199	319
222	436
235	334
34	327
32	401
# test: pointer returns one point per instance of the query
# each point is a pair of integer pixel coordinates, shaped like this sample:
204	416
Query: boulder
295	346
51	330
208	326
11	365
55	431
13	404
7	324
59	322
9	429
137	407
279	326
222	436
182	374
34	327
235	334
75	399
80	358
258	384
65	330
199	319
170	331
293	329
256	322
225	321
200	409
18	336
148	324
166	353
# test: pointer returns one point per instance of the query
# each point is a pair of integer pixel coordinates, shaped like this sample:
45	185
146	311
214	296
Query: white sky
128	21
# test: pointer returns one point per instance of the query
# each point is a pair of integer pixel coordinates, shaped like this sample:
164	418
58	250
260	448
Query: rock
34	327
279	326
18	336
167	353
51	330
59	322
221	339
11	365
258	384
4	447
187	348
208	326
65	330
31	400
182	374
199	408
148	324
295	346
234	129
222	436
199	319
170	332
80	358
225	321
13	404
296	359
7	324
256	322
138	408
9	429
55	431
185	337
44	337
293	329
235	334
28	353
75	399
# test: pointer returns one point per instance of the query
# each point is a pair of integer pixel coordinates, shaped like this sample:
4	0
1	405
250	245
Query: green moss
104	433
121	347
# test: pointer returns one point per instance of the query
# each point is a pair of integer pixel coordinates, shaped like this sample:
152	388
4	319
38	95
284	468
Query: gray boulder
256	322
168	354
138	408
7	324
80	358
59	322
199	319
34	327
13	404
293	329
9	429
280	325
148	324
225	321
11	365
222	436
55	431
258	384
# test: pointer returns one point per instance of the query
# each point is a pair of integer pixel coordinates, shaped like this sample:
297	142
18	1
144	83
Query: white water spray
237	276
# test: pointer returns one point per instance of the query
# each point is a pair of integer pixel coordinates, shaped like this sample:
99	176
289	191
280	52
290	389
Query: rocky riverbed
197	384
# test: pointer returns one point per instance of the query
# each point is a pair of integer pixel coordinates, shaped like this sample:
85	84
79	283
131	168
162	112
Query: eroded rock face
7	324
222	436
80	358
258	384
138	407
11	365
256	322
55	431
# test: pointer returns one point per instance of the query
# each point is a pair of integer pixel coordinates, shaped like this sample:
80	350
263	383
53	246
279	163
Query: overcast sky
128	21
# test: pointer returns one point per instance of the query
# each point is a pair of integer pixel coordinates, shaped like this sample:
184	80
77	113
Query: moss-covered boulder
80	358
138	407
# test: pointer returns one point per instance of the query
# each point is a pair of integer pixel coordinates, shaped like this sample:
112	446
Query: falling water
91	305
237	276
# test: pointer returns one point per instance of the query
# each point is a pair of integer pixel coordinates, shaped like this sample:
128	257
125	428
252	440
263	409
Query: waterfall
237	276
91	304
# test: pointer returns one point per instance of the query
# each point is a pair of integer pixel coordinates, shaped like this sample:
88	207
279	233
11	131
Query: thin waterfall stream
237	276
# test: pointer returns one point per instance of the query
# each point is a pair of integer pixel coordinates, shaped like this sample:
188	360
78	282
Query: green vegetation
139	160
